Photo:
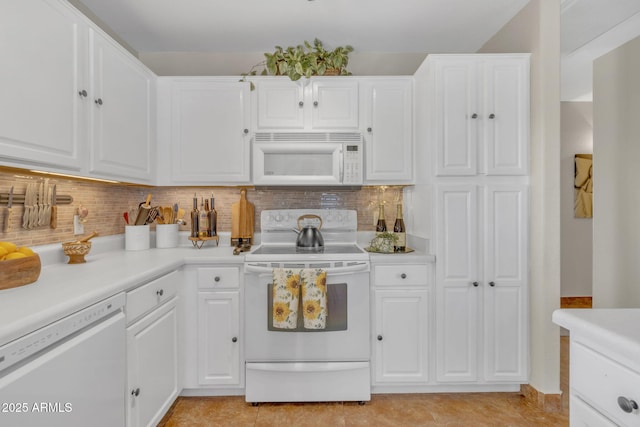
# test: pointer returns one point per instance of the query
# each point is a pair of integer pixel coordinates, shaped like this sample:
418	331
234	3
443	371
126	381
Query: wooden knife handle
53	222
7	220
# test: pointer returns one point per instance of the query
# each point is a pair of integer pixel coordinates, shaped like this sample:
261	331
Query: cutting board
242	217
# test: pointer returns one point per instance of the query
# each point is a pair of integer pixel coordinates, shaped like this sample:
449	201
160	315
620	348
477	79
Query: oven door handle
359	267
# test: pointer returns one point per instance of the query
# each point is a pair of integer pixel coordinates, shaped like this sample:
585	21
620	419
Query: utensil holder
136	237
166	236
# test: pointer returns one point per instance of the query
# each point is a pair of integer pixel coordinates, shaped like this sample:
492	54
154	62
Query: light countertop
611	331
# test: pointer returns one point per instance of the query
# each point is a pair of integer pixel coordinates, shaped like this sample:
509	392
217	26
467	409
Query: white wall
536	29
576	233
616	149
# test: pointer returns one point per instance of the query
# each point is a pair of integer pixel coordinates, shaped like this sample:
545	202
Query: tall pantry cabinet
478	107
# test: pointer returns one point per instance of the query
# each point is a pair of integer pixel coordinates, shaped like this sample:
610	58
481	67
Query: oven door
345	337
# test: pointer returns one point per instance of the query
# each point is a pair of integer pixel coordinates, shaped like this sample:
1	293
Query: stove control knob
278	218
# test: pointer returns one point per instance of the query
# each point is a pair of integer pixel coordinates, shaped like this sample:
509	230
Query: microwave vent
342	137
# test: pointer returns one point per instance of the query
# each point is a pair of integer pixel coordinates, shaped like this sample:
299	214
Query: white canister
166	235
136	237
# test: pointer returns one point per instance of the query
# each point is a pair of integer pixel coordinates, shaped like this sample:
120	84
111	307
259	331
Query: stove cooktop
291	250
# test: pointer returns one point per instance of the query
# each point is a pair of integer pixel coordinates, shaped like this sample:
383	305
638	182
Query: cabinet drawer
599	381
146	297
386	275
220	277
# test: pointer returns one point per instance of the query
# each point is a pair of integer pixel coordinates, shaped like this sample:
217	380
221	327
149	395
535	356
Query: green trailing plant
304	60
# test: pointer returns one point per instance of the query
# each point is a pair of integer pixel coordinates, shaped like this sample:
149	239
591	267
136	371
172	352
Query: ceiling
589	28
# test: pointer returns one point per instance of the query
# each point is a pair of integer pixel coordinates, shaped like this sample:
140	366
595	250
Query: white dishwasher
69	373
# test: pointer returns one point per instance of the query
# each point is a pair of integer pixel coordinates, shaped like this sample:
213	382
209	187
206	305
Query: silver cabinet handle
160	292
492	284
135	392
627	405
246	131
379	337
98	101
216	279
300	104
315	103
492	116
234	339
474	116
403	275
83	93
476	284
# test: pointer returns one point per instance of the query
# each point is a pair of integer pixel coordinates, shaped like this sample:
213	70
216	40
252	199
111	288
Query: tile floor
452	410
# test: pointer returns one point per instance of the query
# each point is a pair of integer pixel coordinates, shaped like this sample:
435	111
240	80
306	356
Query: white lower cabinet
402	298
152	350
481	283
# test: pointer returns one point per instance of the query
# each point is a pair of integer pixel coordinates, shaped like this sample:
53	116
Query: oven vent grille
342	137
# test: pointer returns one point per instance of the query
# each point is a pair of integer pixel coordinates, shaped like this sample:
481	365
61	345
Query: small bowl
76	251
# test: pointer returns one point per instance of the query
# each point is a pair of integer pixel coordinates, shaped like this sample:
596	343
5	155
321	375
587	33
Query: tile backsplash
107	202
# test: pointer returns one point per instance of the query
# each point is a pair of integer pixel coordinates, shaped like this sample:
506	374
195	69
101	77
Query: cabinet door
583	415
458	283
280	104
505	115
505	285
210	132
334	104
401	336
40	79
218	338
121	114
456	116
386	113
152	366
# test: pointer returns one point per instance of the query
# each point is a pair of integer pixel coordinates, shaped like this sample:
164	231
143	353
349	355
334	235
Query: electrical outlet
78	226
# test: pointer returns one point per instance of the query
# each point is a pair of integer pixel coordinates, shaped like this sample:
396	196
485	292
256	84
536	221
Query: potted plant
303	60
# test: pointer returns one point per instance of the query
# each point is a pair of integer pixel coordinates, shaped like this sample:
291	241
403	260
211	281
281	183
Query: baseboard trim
546	402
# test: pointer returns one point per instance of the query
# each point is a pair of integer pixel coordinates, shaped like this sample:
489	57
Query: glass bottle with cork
213	219
203	221
195	217
400	231
381	225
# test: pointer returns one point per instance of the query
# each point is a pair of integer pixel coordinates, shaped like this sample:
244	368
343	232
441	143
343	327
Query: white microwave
307	159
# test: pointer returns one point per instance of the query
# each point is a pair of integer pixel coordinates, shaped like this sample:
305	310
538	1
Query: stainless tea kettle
309	236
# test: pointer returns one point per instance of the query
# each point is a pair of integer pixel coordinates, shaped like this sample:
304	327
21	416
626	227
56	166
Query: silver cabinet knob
492	116
379	337
476	284
83	93
135	392
315	103
300	104
492	284
216	279
245	131
403	275
474	116
160	292
627	405
369	130
98	101
234	339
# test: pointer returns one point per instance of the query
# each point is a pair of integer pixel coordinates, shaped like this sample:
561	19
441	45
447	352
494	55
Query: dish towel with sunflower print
286	297
313	285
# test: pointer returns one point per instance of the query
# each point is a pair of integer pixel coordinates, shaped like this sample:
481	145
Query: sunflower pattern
286	296
314	298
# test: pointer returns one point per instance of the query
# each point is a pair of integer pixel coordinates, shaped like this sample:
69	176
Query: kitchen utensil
76	251
7	216
53	220
28	205
48	201
167	213
88	237
309	236
143	211
35	210
242	219
174	216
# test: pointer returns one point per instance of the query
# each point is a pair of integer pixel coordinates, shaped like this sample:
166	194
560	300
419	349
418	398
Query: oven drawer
600	381
147	297
390	275
219	277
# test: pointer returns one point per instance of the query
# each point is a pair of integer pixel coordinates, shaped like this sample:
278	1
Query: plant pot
332	72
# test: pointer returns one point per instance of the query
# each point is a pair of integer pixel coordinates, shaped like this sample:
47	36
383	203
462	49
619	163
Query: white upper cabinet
480	114
204	124
40	108
386	111
314	104
122	113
